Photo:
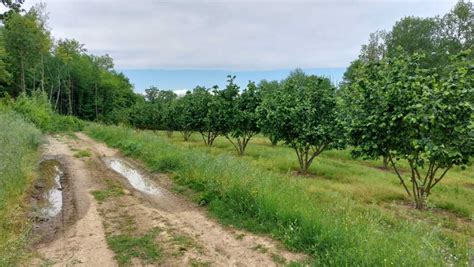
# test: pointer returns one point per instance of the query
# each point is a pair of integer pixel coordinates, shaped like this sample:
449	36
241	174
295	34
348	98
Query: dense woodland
409	95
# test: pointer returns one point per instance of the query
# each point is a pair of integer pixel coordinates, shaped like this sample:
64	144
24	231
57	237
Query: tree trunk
59	93
186	135
22	73
421	185
96	109
42	72
385	162
71	96
419	195
306	154
34	81
273	140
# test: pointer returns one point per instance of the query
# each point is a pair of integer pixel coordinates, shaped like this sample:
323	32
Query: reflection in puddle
53	195
135	178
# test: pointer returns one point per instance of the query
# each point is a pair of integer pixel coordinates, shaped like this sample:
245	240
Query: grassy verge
330	225
18	157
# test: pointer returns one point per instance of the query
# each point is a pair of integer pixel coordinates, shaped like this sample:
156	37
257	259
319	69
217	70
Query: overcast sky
231	35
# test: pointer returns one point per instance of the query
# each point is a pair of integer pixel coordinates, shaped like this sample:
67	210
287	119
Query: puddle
134	177
51	201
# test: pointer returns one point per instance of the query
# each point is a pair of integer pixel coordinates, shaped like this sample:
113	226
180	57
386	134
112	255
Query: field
346	212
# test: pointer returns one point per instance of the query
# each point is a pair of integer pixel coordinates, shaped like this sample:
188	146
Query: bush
37	109
61	123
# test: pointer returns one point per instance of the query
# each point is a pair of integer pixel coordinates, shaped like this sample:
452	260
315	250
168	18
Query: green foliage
326	224
75	83
152	113
206	109
37	109
25	41
185	115
65	123
303	114
12	5
401	110
18	143
243	118
5	75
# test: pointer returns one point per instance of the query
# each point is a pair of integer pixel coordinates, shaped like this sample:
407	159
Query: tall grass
331	226
18	142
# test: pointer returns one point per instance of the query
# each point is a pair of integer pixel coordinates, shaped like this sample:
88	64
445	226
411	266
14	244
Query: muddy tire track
80	240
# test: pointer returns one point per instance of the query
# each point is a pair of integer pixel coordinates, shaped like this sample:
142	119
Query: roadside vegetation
18	158
306	214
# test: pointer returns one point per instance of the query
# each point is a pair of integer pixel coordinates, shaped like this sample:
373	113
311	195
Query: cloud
238	35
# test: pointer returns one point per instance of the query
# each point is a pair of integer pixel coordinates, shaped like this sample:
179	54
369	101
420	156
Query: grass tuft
82	154
127	247
112	190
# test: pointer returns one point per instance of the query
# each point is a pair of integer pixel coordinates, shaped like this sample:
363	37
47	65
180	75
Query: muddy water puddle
136	179
50	203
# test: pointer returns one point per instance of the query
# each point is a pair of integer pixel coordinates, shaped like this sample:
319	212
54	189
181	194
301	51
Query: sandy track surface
186	235
83	242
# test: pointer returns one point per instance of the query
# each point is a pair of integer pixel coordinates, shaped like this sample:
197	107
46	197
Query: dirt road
136	219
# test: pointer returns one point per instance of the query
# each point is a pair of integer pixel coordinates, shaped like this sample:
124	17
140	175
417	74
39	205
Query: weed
278	259
127	247
112	190
82	154
260	248
240	237
197	263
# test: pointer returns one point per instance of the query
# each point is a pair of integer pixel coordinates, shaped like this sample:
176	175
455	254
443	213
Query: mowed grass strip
329	223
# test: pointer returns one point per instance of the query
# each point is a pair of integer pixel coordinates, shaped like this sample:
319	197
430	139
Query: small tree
244	118
403	111
266	88
184	119
302	113
205	108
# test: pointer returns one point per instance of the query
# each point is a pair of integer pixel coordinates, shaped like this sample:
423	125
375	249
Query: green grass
112	190
127	247
18	158
349	213
82	154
